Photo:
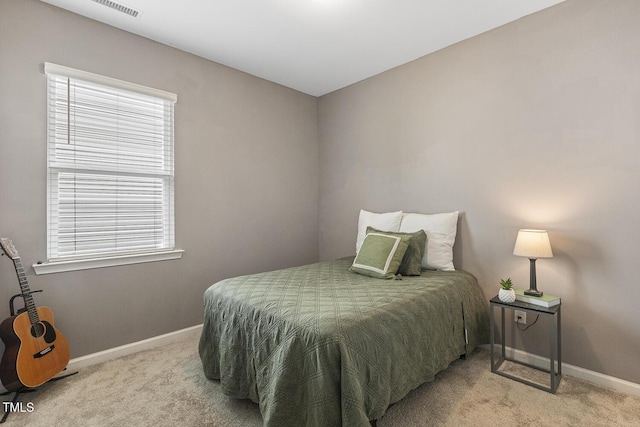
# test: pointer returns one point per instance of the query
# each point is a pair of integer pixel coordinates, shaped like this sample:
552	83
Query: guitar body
34	353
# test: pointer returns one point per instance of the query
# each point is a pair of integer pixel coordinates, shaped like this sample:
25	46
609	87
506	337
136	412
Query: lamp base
533	292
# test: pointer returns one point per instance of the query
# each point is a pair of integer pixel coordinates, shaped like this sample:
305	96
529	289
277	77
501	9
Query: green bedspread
318	345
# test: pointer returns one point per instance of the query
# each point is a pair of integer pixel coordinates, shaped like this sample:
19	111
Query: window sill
85	264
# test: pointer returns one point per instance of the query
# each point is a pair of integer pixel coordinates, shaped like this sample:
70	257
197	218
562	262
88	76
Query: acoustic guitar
35	351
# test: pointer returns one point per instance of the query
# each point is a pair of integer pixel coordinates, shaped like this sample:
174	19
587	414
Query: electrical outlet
520	317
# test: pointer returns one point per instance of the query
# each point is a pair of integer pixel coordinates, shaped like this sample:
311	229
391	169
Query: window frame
115	257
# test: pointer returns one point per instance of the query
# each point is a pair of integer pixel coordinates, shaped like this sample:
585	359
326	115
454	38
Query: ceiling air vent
118	7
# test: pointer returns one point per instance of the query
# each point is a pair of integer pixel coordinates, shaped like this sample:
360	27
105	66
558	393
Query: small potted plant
506	293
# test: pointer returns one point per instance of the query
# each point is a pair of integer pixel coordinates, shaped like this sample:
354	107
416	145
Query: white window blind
110	166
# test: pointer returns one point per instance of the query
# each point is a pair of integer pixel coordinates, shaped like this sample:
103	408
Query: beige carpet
166	387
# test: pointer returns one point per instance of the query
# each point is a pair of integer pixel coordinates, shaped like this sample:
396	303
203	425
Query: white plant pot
507	295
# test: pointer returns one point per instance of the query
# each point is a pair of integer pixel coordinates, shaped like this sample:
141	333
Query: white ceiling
314	46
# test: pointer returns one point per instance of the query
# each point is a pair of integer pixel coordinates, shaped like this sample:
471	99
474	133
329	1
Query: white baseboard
123	350
603	380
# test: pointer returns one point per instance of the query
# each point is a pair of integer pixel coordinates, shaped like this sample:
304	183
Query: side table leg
491	335
552	352
502	337
559	343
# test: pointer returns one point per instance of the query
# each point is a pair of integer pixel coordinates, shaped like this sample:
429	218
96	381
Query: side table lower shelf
555	349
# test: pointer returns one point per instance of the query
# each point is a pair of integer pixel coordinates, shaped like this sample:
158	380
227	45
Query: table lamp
533	244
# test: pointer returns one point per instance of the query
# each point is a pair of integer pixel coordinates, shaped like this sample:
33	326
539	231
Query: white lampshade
533	244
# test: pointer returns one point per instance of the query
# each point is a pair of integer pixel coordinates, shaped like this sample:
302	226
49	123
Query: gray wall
534	124
246	176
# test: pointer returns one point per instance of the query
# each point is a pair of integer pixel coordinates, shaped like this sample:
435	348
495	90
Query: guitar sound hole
37	330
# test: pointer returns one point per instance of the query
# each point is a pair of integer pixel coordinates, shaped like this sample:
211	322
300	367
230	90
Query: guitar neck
26	292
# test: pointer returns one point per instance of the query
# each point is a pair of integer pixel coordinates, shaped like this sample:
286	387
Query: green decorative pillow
411	264
380	255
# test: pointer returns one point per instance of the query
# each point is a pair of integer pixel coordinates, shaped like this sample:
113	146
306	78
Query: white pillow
441	234
389	221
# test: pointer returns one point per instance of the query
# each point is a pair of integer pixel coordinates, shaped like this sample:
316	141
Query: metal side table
555	348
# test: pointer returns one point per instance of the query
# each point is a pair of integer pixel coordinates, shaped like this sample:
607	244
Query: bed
318	345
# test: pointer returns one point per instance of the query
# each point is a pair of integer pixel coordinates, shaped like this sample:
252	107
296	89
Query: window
110	168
